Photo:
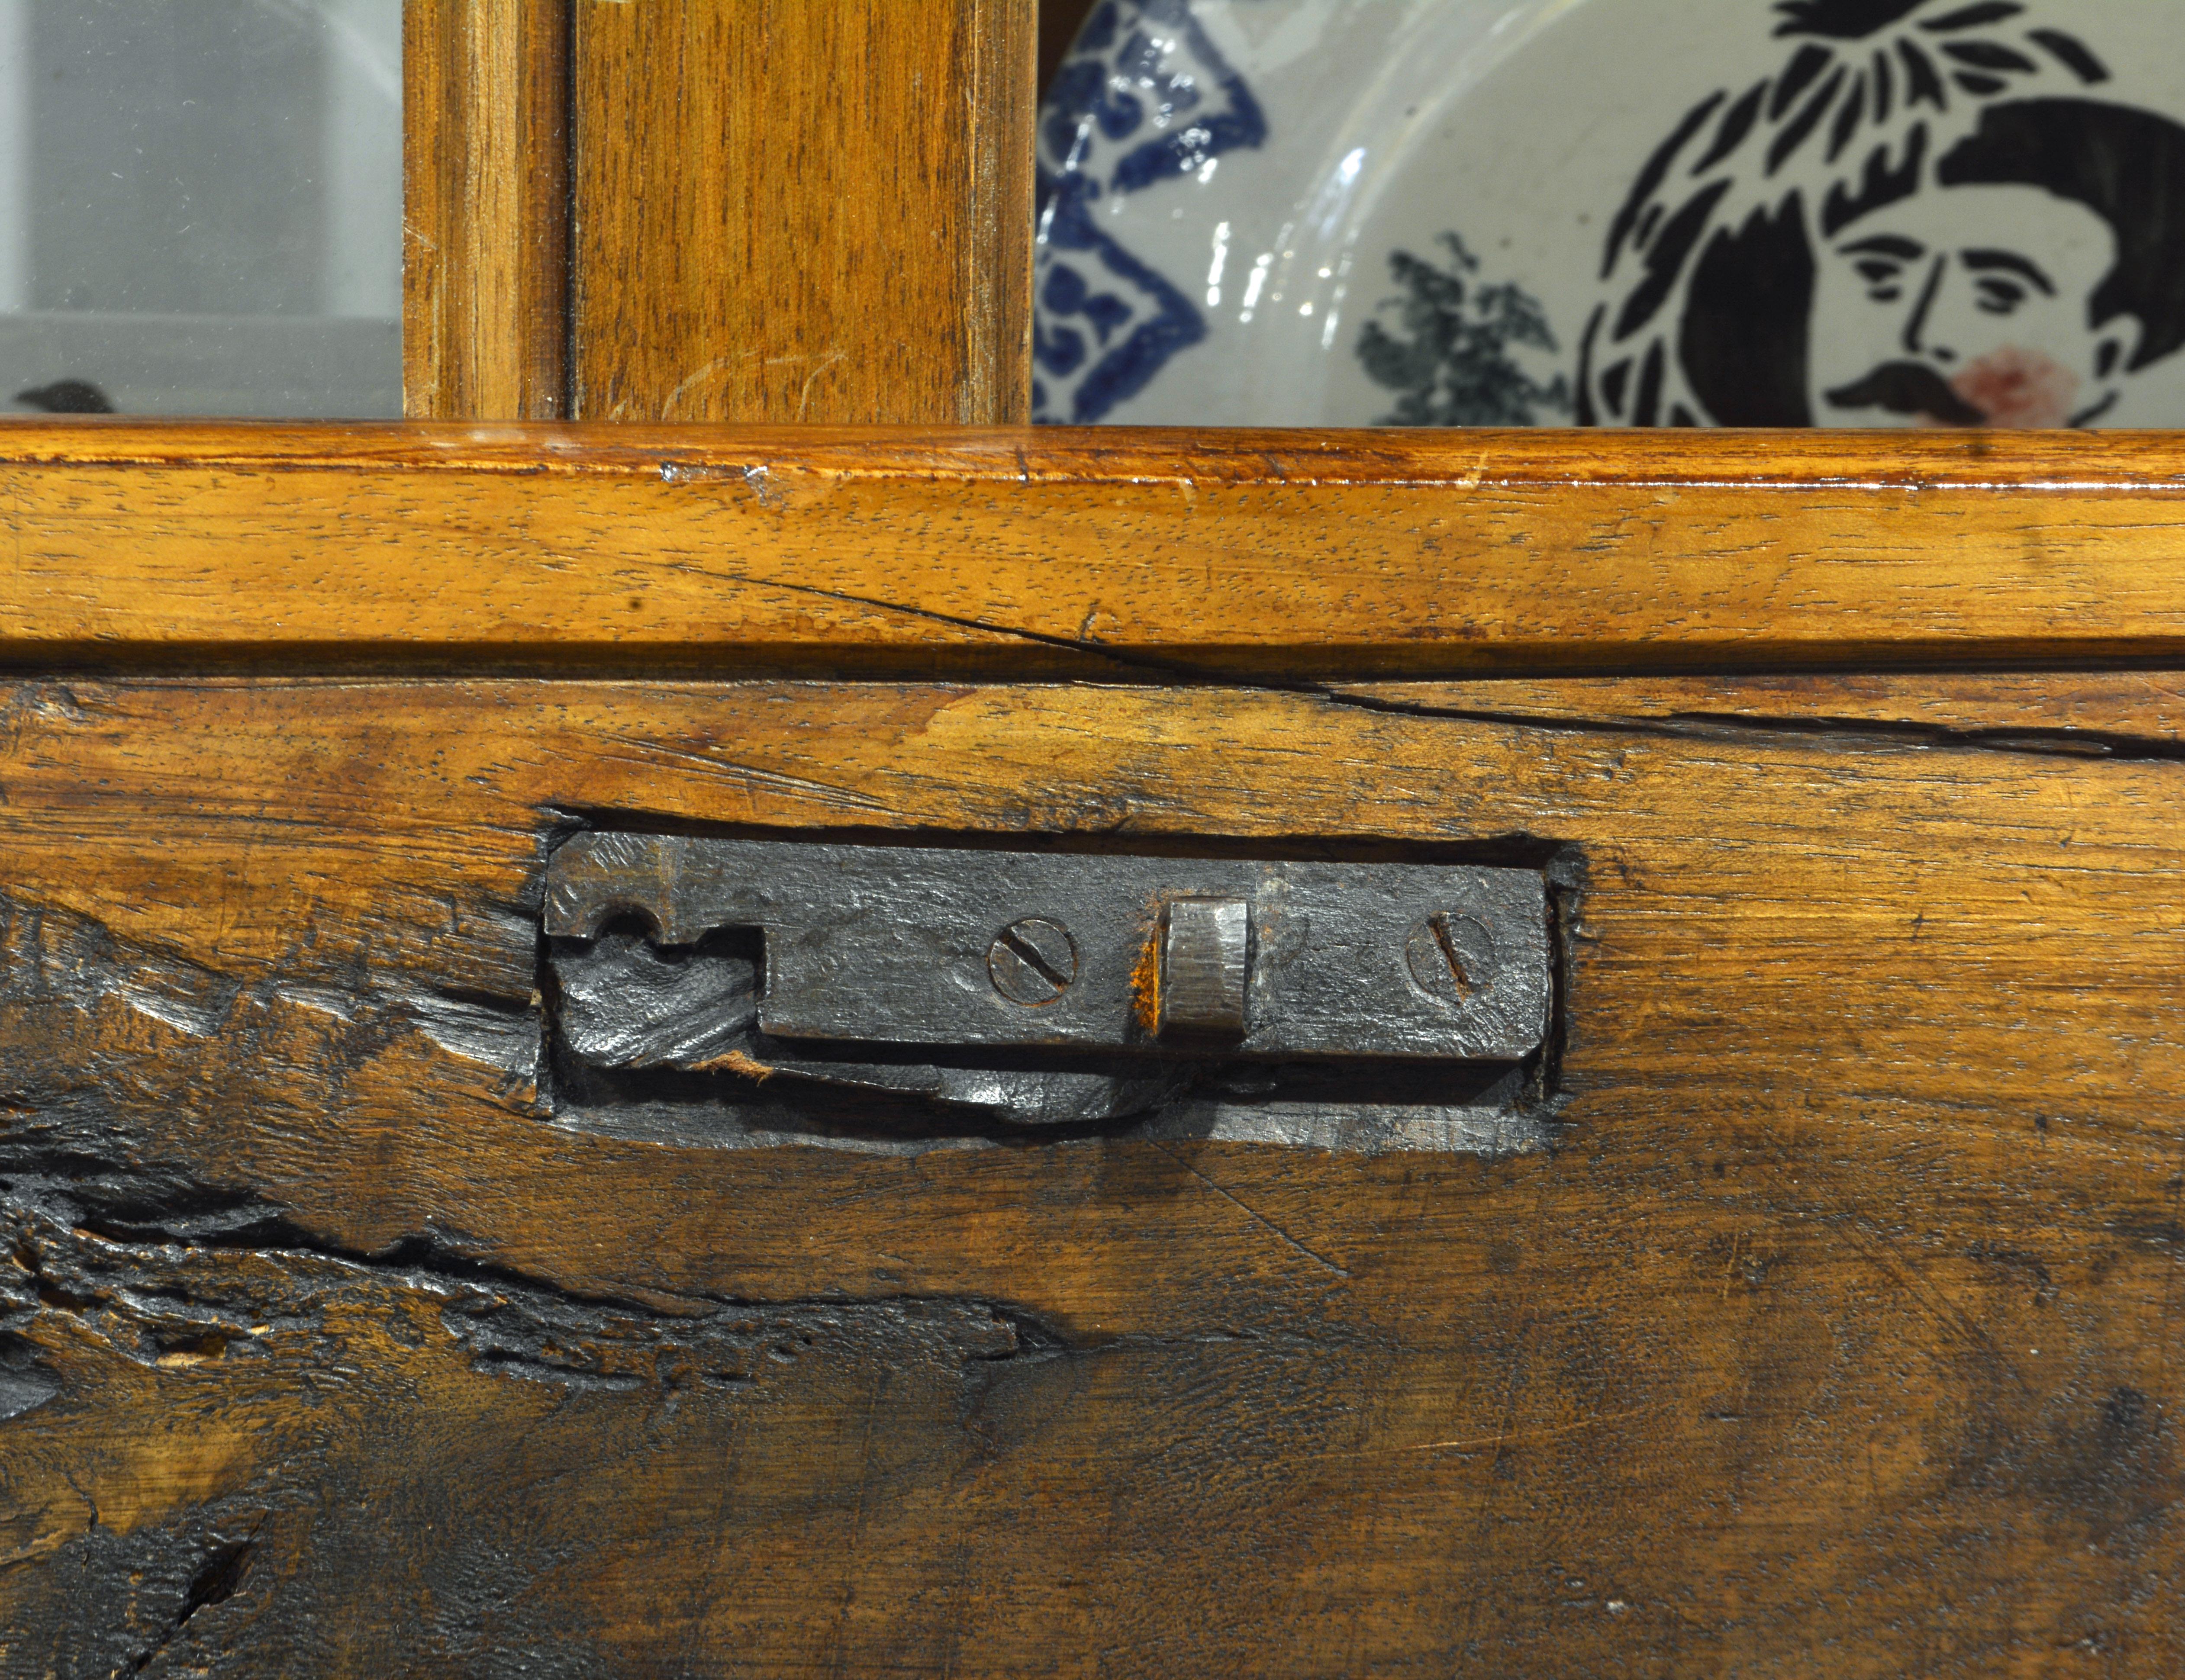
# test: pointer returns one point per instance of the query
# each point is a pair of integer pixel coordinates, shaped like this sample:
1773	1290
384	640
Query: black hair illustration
2126	165
1710	270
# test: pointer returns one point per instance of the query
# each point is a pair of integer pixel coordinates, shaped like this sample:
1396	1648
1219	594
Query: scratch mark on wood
1527	1437
1253	1213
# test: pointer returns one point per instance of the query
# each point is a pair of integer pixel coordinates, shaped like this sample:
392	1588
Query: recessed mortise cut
747	992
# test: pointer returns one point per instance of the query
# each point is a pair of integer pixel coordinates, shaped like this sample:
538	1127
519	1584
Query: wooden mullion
1000	107
787	212
486	221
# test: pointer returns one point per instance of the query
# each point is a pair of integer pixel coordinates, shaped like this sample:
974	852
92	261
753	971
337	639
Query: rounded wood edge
2085	462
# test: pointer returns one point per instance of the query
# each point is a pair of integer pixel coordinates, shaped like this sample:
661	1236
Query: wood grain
486	209
1836	1331
799	213
1292	557
2111	713
1841	1319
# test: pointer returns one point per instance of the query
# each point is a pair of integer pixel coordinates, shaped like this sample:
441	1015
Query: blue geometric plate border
1143	98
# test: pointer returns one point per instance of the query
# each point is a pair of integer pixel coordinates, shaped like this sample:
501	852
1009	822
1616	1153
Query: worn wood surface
1836	1335
2129	712
1278	556
485	326
794	213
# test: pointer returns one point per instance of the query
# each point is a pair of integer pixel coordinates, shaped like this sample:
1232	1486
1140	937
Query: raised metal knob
1206	967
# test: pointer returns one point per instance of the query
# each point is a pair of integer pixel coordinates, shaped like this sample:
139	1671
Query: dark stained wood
485	330
1834	1333
1289	557
1060	21
1840	1322
793	213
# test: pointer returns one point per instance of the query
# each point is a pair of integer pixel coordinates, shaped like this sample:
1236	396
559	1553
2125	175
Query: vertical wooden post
486	214
787	210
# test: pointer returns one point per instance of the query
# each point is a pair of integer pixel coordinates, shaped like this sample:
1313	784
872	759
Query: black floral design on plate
1454	363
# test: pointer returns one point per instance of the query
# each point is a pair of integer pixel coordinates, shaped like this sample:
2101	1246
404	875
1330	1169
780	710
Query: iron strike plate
1037	987
908	946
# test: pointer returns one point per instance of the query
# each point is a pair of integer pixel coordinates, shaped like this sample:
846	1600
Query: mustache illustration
1908	387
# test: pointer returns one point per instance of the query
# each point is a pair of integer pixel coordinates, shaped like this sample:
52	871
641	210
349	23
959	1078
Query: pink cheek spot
2020	389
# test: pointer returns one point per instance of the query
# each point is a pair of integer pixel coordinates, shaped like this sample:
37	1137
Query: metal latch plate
926	947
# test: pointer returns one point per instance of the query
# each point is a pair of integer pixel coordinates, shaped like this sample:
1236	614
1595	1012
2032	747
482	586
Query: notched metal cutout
782	990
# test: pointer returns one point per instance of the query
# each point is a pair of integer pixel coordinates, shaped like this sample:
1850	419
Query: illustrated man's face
1967	306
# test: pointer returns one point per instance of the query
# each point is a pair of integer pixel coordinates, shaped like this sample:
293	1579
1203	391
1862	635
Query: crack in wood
1744	729
217	1580
161	1299
111	1216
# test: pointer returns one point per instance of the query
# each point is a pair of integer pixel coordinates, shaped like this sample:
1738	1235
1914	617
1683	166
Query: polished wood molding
801	212
1287	556
486	210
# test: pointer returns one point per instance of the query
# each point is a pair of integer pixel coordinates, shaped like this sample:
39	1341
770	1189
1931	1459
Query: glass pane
1766	212
201	207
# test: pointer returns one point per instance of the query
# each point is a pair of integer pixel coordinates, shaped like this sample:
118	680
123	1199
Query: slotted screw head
1451	957
1032	962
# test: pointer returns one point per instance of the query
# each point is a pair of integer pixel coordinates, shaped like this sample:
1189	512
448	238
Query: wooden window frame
1869	978
563	262
1282	557
723	210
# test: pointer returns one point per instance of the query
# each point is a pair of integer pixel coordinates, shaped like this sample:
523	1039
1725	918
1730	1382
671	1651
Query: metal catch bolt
1206	967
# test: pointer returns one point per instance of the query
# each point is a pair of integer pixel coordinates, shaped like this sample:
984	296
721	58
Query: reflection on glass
201	207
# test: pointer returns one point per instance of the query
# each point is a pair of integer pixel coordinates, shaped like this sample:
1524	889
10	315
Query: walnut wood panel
486	209
1841	1320
1299	556
792	212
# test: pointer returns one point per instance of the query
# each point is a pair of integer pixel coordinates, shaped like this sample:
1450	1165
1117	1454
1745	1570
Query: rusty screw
1451	956
1032	962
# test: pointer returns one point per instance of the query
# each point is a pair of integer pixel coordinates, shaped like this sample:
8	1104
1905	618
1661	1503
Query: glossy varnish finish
1291	557
1834	1333
797	212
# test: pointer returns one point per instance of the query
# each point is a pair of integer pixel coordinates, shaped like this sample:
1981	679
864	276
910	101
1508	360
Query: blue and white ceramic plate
1616	213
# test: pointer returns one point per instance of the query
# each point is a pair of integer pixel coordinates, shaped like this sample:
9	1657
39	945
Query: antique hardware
1036	988
1206	968
1033	961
